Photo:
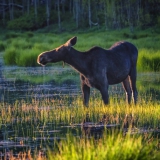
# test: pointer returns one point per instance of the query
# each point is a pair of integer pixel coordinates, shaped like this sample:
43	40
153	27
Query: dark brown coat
99	67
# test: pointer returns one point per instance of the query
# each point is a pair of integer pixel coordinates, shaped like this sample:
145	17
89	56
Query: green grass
109	147
149	60
22	49
146	113
2	46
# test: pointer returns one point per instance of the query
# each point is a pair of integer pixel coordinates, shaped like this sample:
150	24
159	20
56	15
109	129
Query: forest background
69	15
103	22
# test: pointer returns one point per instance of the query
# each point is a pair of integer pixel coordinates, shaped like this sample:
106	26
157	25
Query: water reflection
17	83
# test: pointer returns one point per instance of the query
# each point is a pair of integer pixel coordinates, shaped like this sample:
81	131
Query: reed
62	109
110	146
32	120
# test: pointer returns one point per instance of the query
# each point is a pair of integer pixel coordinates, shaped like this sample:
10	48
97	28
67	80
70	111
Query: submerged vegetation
22	48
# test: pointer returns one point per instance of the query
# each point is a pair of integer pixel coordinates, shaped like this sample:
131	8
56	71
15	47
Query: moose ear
71	42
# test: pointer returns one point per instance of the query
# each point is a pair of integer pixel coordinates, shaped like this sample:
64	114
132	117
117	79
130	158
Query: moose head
57	54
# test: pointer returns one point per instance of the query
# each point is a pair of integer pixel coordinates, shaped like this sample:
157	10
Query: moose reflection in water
98	67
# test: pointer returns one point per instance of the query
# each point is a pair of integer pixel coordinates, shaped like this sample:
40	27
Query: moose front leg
85	91
103	88
105	96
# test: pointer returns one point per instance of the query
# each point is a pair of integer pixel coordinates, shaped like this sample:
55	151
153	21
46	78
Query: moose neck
77	60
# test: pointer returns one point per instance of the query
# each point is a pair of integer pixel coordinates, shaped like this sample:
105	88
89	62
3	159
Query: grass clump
149	60
2	46
10	56
111	146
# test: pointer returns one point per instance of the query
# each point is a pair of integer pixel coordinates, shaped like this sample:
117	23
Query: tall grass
2	46
146	113
26	118
23	49
109	147
149	60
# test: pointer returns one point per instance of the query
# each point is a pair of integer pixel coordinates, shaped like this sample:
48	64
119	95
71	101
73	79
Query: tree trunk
89	13
138	11
4	15
47	12
11	9
35	9
77	12
70	6
129	16
114	25
59	15
28	7
105	14
23	6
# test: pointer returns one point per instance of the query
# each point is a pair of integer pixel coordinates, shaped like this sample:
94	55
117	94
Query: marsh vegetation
42	116
61	130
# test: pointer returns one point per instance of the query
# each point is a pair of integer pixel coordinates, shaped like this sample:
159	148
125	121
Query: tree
3	12
35	9
47	12
59	15
11	9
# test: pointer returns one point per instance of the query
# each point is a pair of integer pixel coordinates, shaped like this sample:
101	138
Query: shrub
10	56
2	46
27	58
29	34
149	62
20	43
12	35
28	21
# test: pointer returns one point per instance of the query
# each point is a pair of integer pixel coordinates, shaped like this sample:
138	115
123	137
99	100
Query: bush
149	62
29	21
12	35
27	58
29	34
10	56
2	46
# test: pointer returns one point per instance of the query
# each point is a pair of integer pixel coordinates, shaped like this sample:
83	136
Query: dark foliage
115	14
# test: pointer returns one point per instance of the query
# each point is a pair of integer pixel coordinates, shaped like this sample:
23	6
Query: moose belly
114	78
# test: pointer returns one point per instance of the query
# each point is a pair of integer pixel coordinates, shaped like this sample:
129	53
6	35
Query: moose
99	67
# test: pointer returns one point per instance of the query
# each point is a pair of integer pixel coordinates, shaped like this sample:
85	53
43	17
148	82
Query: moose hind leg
133	76
127	88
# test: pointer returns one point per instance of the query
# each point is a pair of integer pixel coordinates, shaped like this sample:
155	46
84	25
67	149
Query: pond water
21	83
28	83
